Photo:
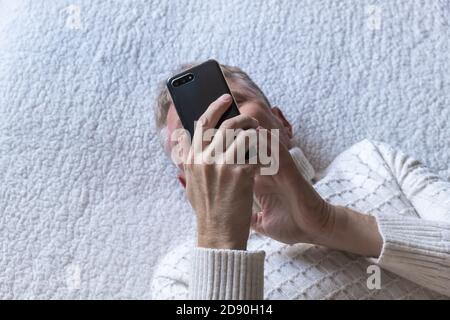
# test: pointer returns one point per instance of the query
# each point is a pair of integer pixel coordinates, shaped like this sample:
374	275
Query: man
313	240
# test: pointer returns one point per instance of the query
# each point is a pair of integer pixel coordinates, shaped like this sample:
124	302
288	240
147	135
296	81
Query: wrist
217	241
225	234
322	230
353	232
217	230
314	216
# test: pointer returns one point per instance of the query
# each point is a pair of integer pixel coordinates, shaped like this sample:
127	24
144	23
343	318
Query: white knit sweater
411	205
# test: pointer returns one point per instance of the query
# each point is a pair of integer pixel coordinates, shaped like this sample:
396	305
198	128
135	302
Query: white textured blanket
88	201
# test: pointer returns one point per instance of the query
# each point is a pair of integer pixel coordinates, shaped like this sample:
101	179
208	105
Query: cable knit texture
411	205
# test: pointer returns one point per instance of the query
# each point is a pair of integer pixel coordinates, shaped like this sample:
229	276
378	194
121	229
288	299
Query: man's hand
221	194
293	212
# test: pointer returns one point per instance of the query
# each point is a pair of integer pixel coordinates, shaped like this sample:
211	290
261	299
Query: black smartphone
193	90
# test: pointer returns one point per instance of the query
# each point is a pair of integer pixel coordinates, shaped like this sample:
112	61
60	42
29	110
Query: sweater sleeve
200	274
227	274
417	248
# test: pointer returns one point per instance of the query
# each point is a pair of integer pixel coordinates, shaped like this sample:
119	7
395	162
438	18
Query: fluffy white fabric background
88	201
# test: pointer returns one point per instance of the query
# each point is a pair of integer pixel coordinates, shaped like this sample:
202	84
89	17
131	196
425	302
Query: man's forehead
240	91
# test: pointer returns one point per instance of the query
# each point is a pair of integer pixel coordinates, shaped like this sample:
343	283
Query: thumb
256	222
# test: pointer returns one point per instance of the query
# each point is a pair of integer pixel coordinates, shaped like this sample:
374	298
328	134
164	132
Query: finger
241	121
212	115
257	222
209	119
270	150
245	140
270	138
228	130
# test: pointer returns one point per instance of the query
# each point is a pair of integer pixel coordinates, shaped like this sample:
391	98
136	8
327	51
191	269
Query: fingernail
225	98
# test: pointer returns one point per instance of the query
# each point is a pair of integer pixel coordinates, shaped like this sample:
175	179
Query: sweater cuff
416	249
221	274
404	238
302	164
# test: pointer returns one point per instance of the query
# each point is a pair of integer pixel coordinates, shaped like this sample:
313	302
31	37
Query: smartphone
193	90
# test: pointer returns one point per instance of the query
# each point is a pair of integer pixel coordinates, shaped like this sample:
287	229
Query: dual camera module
183	80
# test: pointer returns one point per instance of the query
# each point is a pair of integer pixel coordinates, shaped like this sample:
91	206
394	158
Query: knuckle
228	124
246	117
245	133
233	122
250	119
244	170
242	118
203	121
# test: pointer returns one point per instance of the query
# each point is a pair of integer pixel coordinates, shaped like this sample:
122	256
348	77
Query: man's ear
182	180
286	124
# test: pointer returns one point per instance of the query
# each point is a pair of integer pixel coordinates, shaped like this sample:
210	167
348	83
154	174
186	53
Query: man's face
250	105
